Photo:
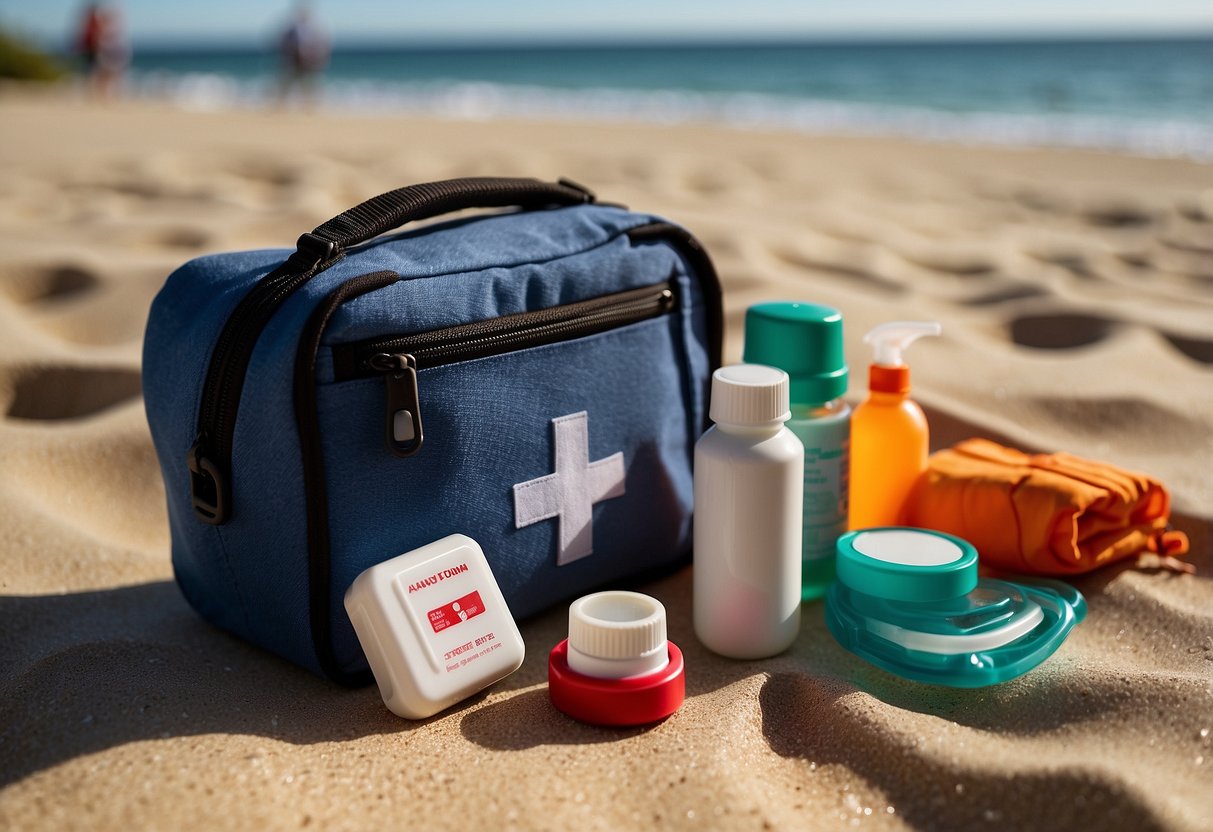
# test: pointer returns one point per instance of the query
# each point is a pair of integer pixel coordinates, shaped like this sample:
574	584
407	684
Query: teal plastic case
909	601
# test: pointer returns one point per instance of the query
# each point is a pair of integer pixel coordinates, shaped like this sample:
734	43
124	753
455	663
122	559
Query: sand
1076	294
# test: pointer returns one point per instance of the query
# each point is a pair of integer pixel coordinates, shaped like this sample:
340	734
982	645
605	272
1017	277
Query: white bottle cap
616	635
753	395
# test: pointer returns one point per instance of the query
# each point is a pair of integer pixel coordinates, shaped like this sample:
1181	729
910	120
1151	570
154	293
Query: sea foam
482	101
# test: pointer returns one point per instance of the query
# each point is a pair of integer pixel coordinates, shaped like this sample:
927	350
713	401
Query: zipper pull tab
402	423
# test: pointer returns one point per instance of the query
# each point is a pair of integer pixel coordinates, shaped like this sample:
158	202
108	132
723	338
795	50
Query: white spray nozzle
889	340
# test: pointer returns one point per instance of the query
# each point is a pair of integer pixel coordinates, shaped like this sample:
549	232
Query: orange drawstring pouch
1043	514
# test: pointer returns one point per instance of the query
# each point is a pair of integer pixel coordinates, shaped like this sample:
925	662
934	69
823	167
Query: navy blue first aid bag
535	378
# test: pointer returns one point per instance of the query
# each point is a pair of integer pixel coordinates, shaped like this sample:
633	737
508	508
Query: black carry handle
393	209
209	459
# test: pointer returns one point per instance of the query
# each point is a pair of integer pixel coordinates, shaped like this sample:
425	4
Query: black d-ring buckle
208	488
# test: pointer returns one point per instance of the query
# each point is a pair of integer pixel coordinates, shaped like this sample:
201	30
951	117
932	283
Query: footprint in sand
1198	349
1071	330
1101	211
1113	212
1060	330
1007	294
63	392
35	283
79	304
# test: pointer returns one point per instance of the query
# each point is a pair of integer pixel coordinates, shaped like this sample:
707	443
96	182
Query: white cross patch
571	492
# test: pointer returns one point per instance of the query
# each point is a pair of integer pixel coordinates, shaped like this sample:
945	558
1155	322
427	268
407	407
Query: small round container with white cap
910	601
616	667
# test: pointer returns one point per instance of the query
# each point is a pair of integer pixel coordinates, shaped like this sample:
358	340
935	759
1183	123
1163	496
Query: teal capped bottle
805	341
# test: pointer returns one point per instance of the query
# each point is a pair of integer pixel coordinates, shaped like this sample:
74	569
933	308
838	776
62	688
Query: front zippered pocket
399	358
324	606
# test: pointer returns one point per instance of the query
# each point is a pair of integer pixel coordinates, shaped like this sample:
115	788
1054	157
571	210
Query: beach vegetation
23	62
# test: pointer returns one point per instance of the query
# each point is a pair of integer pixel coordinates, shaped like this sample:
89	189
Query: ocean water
1146	96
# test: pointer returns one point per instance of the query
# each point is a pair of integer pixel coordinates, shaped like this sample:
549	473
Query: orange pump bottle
889	438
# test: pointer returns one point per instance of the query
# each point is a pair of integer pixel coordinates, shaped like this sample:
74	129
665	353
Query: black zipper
319	568
399	358
209	458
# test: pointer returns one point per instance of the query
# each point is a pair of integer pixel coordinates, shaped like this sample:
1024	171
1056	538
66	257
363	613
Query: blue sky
48	21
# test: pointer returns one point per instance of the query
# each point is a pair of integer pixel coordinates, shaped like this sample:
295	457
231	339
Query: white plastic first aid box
434	626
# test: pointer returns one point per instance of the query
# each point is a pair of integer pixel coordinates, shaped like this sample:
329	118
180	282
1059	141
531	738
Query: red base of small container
635	701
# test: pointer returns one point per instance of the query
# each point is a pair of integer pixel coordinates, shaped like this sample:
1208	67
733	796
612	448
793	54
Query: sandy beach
1075	289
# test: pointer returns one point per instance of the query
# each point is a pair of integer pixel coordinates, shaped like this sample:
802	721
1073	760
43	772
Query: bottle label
826	485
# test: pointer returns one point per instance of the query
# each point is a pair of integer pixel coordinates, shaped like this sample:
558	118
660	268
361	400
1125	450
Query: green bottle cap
805	341
904	564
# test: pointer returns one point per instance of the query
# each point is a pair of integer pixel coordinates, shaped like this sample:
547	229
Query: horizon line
607	42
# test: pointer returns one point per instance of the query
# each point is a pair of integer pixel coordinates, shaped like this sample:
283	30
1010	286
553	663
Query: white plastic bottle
749	486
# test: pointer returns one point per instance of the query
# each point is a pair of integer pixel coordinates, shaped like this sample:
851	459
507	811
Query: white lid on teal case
904	564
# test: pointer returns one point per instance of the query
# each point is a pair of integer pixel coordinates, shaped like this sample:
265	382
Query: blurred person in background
304	50
103	47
